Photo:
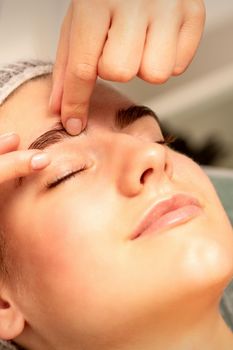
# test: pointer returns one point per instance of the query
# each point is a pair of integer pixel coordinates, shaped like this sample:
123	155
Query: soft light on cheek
66	230
207	263
61	239
185	171
191	176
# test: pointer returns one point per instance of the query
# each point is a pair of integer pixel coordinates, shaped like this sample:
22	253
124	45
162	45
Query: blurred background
197	107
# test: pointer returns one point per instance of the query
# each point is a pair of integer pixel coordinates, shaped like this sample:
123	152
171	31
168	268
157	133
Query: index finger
87	37
21	163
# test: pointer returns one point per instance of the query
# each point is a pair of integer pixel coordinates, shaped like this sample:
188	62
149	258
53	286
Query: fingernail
73	126
8	134
39	161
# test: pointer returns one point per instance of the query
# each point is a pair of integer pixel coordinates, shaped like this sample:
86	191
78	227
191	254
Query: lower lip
173	218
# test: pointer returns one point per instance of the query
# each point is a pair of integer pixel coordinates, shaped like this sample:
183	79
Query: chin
210	265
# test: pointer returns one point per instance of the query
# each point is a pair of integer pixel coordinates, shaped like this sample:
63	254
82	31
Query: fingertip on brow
73	125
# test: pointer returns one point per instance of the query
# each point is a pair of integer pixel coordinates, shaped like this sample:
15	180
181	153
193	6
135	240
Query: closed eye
168	139
62	179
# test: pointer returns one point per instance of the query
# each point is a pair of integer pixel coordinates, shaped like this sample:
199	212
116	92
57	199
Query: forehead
26	112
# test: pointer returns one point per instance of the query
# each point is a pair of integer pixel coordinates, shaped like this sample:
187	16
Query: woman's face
81	276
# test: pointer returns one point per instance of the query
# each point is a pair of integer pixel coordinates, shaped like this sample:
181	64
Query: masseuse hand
16	163
117	40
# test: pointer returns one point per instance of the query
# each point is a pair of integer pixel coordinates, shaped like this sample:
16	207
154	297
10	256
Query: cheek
190	177
59	257
189	174
74	257
208	254
68	244
64	242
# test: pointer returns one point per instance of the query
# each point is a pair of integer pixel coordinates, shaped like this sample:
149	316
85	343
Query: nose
140	164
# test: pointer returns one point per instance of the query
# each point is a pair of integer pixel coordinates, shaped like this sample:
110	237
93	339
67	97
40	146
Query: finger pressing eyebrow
50	137
123	118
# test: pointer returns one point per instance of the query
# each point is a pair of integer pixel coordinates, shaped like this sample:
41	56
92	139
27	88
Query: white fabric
15	74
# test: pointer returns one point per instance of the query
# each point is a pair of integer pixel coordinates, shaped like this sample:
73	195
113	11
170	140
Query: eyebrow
123	118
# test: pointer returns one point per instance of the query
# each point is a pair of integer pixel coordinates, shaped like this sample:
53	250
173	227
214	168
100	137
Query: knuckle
154	76
20	164
14	165
84	72
16	170
119	74
179	70
73	108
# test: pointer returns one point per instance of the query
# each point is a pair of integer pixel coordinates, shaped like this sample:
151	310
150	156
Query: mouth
165	214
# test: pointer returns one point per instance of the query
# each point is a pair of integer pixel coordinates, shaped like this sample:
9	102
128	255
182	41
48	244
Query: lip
168	213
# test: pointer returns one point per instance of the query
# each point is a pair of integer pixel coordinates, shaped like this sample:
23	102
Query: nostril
146	173
4	304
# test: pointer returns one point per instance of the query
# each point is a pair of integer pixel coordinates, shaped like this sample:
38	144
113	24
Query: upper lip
162	207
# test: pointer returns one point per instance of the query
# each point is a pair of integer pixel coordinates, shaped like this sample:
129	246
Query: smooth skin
77	280
117	41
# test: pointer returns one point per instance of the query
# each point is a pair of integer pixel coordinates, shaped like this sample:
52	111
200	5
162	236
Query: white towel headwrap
15	74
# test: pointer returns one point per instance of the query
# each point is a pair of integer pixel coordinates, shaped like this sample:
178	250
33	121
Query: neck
206	330
210	333
194	325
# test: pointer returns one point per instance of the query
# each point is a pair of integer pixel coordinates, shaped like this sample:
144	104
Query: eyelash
168	139
63	178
